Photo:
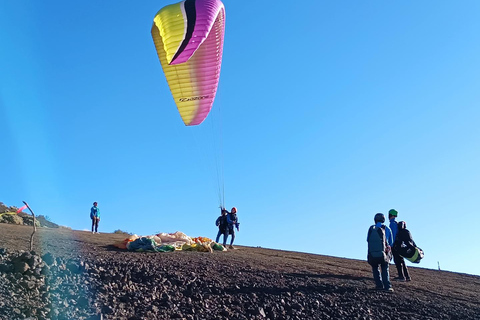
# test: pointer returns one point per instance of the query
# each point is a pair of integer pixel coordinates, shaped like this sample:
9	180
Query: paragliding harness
409	251
378	249
222	223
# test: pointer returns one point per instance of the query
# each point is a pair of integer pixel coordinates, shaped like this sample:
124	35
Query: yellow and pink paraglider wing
188	37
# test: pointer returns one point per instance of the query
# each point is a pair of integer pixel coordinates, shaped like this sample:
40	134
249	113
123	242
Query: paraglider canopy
188	37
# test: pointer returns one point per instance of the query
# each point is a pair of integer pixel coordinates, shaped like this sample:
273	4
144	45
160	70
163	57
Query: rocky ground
77	275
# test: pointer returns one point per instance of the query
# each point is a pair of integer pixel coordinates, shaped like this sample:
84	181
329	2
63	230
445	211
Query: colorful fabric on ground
165	242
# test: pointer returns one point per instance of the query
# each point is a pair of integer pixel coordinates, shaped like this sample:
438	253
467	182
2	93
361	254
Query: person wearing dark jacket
397	259
403	241
232	221
222	225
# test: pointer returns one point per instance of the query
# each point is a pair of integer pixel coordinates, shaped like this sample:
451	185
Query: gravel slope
76	275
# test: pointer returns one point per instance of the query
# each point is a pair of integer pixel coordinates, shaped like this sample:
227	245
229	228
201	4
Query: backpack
378	249
407	248
222	222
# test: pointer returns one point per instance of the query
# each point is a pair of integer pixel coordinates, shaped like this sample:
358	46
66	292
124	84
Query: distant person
95	216
392	215
232	221
222	225
397	259
403	241
379	239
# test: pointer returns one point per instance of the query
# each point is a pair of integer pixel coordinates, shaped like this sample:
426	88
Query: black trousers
400	264
95	224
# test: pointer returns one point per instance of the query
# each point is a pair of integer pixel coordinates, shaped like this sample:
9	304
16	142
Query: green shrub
12	218
28	220
122	232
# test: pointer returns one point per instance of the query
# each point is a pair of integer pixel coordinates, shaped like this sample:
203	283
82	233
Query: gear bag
407	248
222	222
378	249
410	252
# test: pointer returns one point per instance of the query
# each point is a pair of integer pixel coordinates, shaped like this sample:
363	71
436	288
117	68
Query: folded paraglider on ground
167	242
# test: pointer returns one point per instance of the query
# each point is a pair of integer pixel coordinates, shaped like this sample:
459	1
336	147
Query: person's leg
232	232
398	264
385	276
225	236
96	225
218	235
93	224
376	277
405	271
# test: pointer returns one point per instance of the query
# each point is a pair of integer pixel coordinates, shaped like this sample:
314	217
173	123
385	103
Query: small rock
21	267
48	258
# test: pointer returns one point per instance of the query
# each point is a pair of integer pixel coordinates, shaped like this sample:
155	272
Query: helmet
379	217
393	212
234	209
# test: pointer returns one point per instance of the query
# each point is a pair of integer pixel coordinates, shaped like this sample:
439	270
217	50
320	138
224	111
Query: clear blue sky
327	113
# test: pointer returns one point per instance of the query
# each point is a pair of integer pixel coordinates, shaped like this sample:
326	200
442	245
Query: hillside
81	276
10	215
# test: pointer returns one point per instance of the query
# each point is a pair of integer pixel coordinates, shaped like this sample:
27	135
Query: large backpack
406	247
378	249
222	222
409	251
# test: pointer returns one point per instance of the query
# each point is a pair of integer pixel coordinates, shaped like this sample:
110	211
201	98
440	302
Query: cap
393	212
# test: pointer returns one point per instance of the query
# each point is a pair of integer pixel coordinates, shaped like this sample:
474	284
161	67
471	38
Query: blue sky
327	112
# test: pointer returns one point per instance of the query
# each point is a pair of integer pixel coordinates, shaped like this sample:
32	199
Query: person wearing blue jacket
95	216
232	222
380	241
397	259
222	225
392	215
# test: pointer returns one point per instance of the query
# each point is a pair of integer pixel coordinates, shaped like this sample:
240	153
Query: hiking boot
408	279
231	247
401	279
389	289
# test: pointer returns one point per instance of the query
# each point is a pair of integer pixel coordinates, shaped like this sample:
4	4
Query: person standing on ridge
392	215
222	225
403	241
95	216
397	259
232	221
379	239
